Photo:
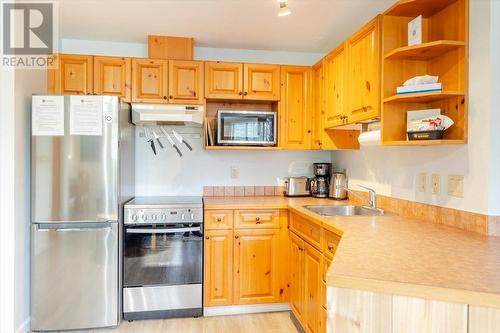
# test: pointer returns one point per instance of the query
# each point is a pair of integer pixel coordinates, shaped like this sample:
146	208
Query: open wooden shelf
412	8
240	148
424	142
424	51
424	97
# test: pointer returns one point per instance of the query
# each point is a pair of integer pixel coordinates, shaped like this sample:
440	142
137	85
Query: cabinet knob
171	97
246	93
207	237
368	85
219	219
330	247
257	219
164	97
240	93
236	236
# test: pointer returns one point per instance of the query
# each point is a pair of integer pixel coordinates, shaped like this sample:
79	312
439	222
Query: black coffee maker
321	179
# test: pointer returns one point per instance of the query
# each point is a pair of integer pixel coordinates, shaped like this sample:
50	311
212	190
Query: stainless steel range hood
167	114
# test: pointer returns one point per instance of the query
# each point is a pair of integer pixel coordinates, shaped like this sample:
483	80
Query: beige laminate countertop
397	255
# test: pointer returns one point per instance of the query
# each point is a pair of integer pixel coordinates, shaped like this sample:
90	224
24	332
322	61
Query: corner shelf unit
443	52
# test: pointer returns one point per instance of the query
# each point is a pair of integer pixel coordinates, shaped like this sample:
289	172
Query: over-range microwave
250	128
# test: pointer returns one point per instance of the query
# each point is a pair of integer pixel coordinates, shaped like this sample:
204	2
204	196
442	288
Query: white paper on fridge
47	115
415	31
85	115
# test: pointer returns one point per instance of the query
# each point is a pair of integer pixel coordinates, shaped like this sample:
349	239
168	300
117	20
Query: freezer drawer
74	276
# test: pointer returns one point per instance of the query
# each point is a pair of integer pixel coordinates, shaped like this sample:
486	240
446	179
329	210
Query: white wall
96	47
394	170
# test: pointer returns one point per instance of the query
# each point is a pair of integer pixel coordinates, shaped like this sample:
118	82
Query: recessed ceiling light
284	10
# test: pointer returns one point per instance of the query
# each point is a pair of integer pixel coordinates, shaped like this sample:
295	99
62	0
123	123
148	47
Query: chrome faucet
371	201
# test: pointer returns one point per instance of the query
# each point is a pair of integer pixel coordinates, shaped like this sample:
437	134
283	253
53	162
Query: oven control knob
153	217
183	216
144	217
164	217
134	217
192	216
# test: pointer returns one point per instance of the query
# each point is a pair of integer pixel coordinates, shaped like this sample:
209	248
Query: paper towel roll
371	138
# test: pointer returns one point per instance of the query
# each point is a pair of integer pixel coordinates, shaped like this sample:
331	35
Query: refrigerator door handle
72	226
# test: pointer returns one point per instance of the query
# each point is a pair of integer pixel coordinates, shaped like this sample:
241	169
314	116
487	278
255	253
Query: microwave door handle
161	231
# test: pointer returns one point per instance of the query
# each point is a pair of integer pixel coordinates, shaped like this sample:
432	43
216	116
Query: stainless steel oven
251	128
163	258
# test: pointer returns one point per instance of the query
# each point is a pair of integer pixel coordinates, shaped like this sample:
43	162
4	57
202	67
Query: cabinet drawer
218	219
256	218
330	243
308	230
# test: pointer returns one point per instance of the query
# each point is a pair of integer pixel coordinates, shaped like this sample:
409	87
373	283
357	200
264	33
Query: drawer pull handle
257	220
330	247
219	219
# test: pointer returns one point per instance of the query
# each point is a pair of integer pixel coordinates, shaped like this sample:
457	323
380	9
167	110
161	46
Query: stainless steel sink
345	210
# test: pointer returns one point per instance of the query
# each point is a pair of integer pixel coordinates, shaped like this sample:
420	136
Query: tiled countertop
397	255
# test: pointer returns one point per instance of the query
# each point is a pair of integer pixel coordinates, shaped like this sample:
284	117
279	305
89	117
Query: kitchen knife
150	140
158	139
181	140
169	138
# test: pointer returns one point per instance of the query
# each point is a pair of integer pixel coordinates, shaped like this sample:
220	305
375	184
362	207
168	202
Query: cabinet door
295	111
186	82
261	82
313	288
72	76
112	76
223	80
256	254
218	267
335	67
363	50
317	105
149	81
297	276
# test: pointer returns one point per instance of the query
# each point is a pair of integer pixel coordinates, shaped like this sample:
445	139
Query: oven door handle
161	231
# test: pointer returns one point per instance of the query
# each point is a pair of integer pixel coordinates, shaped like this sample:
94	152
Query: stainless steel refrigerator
79	186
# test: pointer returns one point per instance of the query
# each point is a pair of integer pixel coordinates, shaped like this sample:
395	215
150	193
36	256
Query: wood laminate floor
276	322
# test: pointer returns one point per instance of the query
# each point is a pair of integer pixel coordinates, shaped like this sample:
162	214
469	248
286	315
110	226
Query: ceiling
313	26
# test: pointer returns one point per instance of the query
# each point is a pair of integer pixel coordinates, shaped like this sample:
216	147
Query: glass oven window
163	255
247	127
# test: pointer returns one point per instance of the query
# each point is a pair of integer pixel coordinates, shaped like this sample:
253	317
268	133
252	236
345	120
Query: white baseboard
244	309
24	327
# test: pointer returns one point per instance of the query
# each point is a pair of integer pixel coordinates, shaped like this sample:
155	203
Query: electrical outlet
235	172
456	186
422	180
435	184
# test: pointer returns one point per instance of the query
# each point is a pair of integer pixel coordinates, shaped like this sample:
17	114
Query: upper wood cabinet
149	81
261	82
223	80
218	270
318	104
186	82
228	80
363	72
295	111
256	256
335	79
73	75
112	76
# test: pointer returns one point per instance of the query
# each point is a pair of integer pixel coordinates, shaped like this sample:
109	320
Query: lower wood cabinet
243	262
297	301
256	266
218	267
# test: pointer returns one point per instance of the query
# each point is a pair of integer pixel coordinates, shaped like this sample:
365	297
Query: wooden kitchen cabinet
335	80
73	75
363	73
218	219
261	82
218	270
256	255
256	219
112	76
313	267
186	82
297	275
295	111
318	104
223	80
149	81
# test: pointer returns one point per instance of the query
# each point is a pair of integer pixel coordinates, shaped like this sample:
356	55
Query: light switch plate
435	184
235	172
456	186
422	180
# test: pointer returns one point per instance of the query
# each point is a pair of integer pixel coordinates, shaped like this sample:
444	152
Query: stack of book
420	88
